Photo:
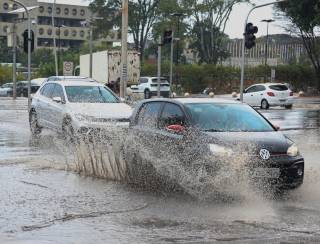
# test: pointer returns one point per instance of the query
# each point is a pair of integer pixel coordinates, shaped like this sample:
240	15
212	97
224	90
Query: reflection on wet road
42	204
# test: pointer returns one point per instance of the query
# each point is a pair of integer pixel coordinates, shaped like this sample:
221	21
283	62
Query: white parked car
76	106
149	87
6	89
268	95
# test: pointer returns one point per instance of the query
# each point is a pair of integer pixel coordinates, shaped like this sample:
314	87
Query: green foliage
195	78
5	74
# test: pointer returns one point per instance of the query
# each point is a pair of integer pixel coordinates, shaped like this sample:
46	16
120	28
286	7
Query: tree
142	16
209	18
305	17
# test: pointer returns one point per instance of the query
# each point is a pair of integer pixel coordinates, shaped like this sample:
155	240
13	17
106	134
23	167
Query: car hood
252	142
102	110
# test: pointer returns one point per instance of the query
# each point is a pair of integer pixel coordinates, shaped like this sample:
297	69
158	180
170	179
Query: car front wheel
264	104
67	130
34	126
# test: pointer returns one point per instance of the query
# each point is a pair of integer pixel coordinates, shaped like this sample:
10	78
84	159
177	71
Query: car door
57	109
171	142
259	95
249	96
142	84
42	104
144	130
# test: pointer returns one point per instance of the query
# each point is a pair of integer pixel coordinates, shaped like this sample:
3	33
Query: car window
58	92
227	118
163	80
143	80
171	115
251	89
148	115
279	87
260	88
90	94
47	90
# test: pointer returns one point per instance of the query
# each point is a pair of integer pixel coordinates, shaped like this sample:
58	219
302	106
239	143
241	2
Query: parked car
268	95
6	90
74	106
206	133
149	87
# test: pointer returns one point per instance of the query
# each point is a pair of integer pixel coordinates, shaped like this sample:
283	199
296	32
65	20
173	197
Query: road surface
43	202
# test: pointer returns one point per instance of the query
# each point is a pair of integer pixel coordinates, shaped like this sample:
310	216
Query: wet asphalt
44	202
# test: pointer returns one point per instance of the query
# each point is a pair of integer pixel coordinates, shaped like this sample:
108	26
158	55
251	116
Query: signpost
68	68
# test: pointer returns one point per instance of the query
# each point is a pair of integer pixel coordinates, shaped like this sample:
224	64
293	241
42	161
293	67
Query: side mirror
57	99
244	91
277	127
176	128
122	99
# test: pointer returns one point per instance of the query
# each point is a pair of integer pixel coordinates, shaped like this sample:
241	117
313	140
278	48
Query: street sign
67	68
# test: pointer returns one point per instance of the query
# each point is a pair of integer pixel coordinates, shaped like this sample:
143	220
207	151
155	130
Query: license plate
272	173
282	100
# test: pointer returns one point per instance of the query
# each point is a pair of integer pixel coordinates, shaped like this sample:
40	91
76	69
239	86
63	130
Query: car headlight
220	150
293	151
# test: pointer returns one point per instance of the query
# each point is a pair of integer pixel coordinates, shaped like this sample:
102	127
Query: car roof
269	84
188	100
76	83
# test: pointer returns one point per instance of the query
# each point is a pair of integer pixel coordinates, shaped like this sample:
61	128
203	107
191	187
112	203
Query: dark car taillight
270	94
291	94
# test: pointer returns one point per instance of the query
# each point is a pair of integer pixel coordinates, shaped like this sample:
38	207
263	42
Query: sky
235	24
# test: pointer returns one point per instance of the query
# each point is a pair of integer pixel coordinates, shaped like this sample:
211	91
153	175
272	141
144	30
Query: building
282	49
70	28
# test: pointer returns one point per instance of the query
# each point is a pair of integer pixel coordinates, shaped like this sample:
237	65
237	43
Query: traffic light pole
171	63
243	45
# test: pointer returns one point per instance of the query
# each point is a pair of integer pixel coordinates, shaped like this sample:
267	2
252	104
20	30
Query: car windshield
279	87
227	118
90	94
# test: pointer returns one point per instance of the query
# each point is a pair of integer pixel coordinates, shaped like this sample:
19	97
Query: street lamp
268	21
27	10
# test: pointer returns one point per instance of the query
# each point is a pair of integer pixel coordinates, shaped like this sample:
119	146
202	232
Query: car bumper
281	102
291	172
97	128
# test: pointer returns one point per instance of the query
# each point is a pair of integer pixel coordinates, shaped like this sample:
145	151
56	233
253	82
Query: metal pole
171	64
91	49
29	60
178	50
266	54
159	68
14	67
243	45
124	49
54	39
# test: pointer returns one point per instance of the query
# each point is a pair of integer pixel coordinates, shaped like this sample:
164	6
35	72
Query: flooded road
43	202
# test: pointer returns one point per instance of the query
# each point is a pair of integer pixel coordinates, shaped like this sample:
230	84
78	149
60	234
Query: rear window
162	80
279	87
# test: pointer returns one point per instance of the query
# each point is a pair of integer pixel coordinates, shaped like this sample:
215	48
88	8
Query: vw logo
264	154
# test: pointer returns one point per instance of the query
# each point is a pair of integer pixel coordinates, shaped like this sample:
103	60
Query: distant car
268	95
76	107
35	85
205	134
149	87
6	90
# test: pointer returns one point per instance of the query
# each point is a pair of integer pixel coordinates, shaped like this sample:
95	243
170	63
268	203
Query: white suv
149	87
268	94
75	106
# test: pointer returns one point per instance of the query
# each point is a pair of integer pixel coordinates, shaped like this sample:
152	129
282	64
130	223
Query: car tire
147	94
34	126
288	106
264	104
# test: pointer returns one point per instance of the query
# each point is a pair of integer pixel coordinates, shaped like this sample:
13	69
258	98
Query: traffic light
167	37
250	38
25	41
